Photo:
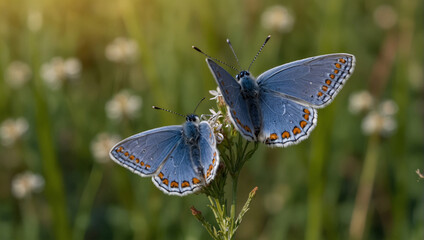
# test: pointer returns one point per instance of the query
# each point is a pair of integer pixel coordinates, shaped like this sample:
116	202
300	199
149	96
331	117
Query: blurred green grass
305	191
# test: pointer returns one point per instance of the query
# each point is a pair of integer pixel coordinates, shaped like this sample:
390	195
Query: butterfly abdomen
250	92
191	135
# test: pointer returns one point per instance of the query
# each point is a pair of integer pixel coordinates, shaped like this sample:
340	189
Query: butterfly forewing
236	104
314	81
145	152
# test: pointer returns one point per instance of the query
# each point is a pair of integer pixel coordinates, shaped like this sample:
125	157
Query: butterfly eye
247	73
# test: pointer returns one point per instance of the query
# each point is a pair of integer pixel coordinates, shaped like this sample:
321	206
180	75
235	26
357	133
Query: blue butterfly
180	159
279	107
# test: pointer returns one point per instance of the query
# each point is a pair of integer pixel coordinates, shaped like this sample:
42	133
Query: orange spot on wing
160	175
185	184
320	94
209	170
219	75
306	111
247	129
328	82
238	121
147	166
332	76
165	181
303	124
338	65
213	161
336	71
132	157
234	112
226	91
342	60
324	88
285	134
214	154
137	160
119	149
142	163
174	184
273	136
126	154
195	180
306	117
296	130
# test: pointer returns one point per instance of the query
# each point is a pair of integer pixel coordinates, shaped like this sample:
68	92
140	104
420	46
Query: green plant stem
205	224
55	190
234	202
29	219
233	163
82	218
366	183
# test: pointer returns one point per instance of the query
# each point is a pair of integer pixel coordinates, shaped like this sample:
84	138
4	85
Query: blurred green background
77	76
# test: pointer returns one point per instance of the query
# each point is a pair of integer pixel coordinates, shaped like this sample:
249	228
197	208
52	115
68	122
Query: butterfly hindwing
209	155
314	81
285	122
236	105
144	153
178	176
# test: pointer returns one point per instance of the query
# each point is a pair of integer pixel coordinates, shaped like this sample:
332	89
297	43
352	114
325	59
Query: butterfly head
242	74
192	118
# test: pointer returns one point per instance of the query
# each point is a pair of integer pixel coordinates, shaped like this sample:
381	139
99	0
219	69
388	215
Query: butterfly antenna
166	110
235	55
201	100
263	45
200	51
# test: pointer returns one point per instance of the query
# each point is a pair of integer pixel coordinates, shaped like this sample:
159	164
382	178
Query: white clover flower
123	105
360	102
122	50
217	96
58	70
420	175
375	122
17	74
215	93
26	183
101	146
385	16
388	108
12	130
34	21
277	18
216	125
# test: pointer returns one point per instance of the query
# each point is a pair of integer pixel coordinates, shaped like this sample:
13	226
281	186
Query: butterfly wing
209	155
285	122
178	176
236	105
184	172
144	153
314	81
